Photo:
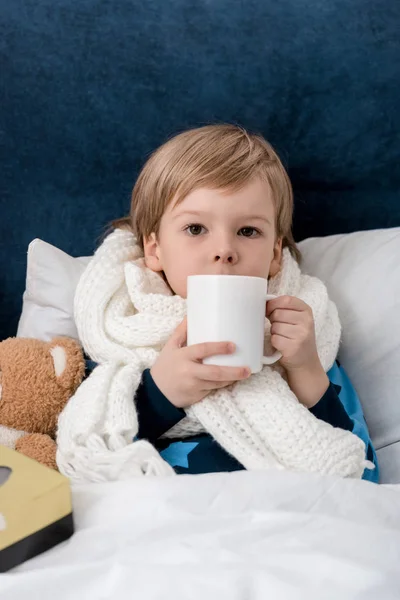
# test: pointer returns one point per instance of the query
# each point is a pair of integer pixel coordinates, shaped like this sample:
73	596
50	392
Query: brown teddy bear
36	380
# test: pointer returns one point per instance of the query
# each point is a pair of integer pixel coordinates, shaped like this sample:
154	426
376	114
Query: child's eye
249	232
194	229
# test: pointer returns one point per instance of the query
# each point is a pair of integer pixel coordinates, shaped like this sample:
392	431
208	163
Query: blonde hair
216	157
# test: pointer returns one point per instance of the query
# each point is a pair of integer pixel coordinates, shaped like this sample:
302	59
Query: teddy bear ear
59	357
68	361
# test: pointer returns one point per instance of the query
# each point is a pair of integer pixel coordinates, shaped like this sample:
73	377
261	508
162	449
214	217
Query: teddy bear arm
40	447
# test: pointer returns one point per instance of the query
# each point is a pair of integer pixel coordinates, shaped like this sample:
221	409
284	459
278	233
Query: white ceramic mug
229	308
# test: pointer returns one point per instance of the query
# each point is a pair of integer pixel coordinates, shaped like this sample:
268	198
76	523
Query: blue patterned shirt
339	406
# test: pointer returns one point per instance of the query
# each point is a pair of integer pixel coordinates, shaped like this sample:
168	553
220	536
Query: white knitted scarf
124	314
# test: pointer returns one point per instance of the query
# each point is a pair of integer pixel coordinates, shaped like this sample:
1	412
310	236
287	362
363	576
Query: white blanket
244	535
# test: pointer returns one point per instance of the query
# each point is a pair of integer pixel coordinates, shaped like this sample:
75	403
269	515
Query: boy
217	200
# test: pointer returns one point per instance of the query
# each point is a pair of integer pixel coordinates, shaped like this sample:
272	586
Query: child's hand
292	331
180	375
293	334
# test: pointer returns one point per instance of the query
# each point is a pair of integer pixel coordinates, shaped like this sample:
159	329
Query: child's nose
226	257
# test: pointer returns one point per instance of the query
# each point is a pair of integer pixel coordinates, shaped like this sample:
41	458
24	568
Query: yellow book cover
35	508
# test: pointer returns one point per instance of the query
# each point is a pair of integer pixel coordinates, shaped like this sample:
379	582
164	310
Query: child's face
217	232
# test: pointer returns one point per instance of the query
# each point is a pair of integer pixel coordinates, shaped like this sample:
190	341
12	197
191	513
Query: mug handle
270	360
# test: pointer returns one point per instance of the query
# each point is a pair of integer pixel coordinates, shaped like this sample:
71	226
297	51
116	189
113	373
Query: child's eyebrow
192	213
199	214
257	218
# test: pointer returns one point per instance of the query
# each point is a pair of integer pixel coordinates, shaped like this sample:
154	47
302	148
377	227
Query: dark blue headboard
92	86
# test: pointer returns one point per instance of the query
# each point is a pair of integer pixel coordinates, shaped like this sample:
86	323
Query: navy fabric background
91	87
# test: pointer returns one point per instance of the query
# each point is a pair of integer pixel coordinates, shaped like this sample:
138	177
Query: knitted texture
124	314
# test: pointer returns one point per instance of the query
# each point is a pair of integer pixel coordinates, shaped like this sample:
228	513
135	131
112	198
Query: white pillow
48	300
362	273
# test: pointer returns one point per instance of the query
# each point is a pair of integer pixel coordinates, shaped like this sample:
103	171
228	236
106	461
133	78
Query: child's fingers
285	330
206	349
217	373
282	315
285	302
215	385
179	336
279	342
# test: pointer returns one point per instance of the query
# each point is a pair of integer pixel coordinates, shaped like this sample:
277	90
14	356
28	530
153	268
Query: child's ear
276	262
152	253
